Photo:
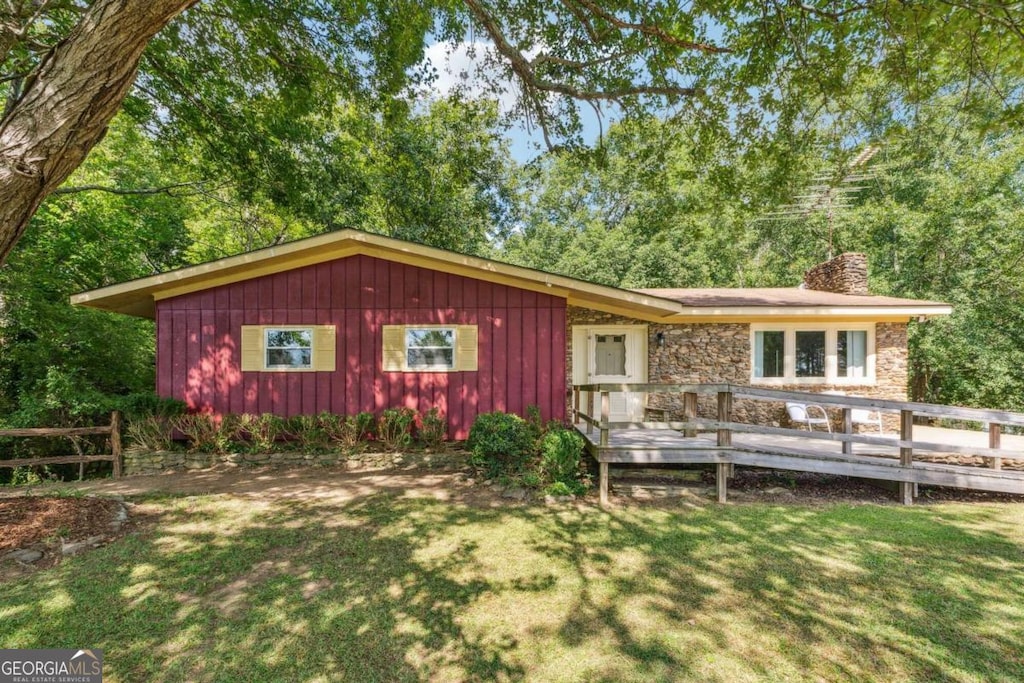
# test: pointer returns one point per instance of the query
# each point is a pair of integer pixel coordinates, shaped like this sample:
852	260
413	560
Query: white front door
611	354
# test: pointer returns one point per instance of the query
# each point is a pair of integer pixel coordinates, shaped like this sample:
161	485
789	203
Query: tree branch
651	30
525	68
166	189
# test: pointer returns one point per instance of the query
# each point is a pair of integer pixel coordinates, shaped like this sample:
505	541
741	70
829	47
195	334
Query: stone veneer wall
706	353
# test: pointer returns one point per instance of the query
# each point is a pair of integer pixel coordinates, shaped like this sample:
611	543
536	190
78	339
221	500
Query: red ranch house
349	321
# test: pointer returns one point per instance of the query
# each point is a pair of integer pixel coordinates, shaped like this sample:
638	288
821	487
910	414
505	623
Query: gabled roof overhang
139	297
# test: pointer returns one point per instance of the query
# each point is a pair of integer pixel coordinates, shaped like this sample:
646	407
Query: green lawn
389	587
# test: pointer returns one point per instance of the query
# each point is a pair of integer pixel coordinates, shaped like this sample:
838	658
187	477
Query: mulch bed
29	520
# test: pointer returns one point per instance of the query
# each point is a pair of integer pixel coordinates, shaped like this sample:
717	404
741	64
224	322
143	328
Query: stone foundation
719	353
155	462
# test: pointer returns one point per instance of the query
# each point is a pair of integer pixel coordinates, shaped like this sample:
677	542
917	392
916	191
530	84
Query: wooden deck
667	446
981	460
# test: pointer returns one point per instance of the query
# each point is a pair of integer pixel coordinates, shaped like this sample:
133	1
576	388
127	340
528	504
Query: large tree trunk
68	101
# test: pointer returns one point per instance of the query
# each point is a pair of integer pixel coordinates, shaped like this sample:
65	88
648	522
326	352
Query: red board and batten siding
521	337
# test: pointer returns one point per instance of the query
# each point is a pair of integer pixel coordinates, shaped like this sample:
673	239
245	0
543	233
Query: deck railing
725	426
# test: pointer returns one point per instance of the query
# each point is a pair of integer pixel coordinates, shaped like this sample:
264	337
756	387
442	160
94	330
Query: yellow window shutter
394	348
466	353
252	348
324	348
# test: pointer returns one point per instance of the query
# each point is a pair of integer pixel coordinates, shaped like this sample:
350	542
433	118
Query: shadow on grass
389	587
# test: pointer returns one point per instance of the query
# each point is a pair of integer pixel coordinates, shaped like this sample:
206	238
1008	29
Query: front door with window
615	354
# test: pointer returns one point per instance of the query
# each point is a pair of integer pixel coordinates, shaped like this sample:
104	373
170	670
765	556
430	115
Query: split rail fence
113	430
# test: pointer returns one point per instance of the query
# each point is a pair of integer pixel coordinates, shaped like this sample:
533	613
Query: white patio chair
800	413
862	416
866	416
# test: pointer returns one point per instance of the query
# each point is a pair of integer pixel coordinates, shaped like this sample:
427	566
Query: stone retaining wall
154	462
709	353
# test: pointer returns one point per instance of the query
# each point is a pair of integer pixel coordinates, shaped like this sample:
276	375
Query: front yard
392	580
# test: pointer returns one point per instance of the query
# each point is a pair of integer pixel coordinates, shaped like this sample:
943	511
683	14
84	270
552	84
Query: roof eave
756	313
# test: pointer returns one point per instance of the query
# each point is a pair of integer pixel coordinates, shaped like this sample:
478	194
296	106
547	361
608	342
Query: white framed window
838	353
288	348
430	348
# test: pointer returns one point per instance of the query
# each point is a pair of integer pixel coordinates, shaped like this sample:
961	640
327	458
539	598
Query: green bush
140	406
560	454
394	429
501	443
150	419
208	433
351	430
311	432
261	431
152	433
25	476
433	429
560	488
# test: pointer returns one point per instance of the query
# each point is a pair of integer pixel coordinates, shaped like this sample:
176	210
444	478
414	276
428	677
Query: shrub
394	429
206	433
262	431
433	429
535	422
152	433
560	454
561	488
501	443
25	476
310	432
140	406
349	431
150	419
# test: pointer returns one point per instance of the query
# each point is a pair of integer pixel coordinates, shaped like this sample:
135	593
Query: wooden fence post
115	442
722	480
995	433
847	429
575	405
907	454
724	415
690	412
603	482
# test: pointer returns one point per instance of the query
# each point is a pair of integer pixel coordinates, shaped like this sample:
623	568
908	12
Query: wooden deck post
690	412
848	429
591	409
603	482
995	433
115	442
907	455
606	412
722	481
724	415
575	405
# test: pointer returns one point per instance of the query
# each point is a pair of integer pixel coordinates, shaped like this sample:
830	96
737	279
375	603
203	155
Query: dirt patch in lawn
31	519
37	531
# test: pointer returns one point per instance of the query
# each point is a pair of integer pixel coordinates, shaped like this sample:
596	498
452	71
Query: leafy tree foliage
61	365
240	76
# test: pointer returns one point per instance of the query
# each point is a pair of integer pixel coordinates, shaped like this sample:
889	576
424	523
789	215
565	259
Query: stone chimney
845	274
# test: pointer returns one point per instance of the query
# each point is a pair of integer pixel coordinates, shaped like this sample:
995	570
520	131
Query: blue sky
456	69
